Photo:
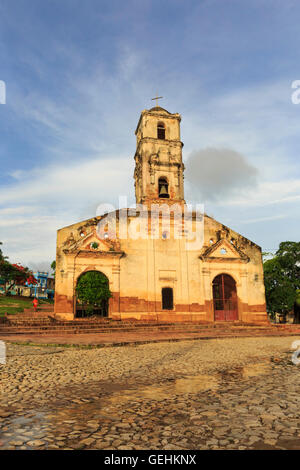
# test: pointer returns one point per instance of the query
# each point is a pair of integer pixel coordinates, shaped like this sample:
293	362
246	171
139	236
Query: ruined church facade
181	267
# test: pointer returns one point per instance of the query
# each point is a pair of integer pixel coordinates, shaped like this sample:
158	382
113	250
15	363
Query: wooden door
225	298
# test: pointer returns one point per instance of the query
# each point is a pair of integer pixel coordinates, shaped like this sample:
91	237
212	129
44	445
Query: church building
162	261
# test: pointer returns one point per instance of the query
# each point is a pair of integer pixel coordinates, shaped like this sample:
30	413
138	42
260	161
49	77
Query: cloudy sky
79	73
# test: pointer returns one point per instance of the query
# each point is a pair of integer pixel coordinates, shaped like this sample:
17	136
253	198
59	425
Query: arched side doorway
225	298
94	285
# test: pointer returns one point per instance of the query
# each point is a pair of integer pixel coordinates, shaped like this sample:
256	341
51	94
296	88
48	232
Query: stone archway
225	298
81	309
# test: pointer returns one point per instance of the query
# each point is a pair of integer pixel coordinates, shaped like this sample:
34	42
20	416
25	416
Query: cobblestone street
233	393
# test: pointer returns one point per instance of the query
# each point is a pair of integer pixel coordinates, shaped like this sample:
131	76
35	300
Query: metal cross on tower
157	98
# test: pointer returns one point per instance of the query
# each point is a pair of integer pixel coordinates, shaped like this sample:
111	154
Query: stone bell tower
159	169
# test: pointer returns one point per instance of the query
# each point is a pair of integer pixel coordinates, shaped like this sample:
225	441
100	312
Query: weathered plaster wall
139	269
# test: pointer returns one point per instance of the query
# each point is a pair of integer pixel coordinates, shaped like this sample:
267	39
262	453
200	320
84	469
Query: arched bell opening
161	131
163	188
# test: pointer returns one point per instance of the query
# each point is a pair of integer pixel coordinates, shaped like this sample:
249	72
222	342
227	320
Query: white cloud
15	210
263	219
71	185
268	193
54	197
257	121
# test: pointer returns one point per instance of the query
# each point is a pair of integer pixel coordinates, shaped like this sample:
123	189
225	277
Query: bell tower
159	169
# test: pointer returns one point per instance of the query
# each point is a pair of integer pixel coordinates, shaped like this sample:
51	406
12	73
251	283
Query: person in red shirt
35	304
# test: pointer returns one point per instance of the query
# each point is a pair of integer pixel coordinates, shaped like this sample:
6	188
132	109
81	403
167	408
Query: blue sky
78	75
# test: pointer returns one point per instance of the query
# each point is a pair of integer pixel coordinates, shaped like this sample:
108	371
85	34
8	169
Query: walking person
35	304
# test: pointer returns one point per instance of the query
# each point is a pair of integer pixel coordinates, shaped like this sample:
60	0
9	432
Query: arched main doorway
225	298
93	285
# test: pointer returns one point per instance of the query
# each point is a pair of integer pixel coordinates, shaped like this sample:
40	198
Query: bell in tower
163	188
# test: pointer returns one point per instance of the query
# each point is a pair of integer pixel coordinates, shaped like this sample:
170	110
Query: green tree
7	271
2	258
12	274
53	267
93	290
282	278
298	297
289	257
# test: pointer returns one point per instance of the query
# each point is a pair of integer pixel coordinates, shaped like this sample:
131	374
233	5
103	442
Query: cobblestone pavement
236	393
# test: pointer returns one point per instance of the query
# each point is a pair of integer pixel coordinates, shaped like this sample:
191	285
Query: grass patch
14	304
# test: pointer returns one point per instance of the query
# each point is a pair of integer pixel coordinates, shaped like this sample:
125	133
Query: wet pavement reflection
126	414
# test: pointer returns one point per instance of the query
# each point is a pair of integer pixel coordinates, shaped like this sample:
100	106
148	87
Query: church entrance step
51	327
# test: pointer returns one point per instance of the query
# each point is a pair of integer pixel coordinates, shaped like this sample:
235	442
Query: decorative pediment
91	244
223	250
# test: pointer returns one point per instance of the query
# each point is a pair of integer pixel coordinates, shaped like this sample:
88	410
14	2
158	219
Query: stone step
42	317
39	309
202	333
50	320
115	325
43	323
63	330
29	318
50	329
108	323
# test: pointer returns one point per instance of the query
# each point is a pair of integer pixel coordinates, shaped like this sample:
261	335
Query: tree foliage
14	274
93	289
282	278
298	297
53	267
2	257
